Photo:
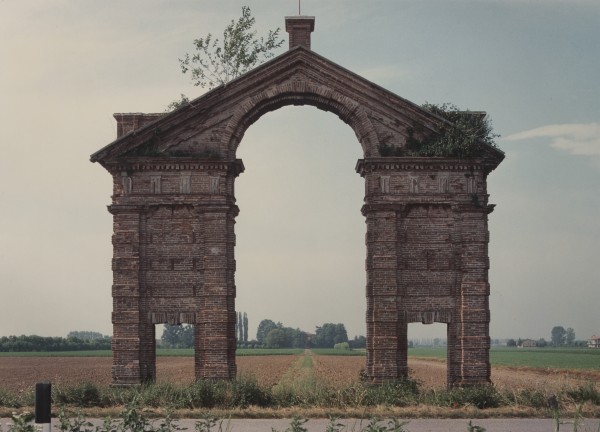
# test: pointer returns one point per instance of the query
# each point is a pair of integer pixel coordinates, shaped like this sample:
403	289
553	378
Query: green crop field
558	358
268	351
339	352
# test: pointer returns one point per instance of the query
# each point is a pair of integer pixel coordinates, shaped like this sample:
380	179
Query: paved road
414	425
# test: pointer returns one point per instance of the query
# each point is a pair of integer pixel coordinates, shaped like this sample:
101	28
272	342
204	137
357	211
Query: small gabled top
300	28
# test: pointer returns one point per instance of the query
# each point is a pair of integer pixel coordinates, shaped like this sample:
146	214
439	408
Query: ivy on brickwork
466	134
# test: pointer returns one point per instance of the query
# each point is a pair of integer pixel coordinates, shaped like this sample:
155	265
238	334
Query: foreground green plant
474	428
209	422
394	425
67	422
21	422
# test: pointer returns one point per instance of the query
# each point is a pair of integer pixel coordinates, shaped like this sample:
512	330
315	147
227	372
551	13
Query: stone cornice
170	164
200	208
365	166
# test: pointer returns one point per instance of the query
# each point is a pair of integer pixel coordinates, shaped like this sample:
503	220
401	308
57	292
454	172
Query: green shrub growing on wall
466	134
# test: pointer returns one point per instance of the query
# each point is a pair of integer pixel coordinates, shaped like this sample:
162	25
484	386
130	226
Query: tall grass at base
485	396
585	393
526	397
404	392
245	392
83	395
10	399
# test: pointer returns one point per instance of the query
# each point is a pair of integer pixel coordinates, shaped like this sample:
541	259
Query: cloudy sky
67	66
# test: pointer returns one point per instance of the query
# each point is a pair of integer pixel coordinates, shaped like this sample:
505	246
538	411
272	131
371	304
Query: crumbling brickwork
174	211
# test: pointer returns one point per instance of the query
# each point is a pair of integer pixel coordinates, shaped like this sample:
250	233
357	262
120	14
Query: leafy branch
217	62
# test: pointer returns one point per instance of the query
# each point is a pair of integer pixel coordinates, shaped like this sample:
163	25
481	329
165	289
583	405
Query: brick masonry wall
173	263
427	261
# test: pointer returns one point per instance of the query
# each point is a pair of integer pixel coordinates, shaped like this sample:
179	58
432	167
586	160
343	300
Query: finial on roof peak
300	27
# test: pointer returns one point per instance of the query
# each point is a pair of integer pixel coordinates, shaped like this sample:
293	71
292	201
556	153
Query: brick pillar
133	342
386	330
468	334
215	327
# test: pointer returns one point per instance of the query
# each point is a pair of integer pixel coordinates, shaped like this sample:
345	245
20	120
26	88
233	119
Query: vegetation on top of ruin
217	62
466	134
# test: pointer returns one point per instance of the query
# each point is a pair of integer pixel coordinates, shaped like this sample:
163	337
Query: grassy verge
299	390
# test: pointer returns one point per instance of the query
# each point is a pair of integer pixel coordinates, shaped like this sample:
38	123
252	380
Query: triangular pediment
212	125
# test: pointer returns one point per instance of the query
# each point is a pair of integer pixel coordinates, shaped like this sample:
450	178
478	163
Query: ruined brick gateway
174	212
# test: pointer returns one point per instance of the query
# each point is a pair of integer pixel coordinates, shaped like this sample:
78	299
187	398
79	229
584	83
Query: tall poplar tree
245	323
240	328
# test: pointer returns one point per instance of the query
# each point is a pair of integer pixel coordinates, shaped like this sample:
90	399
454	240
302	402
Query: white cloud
577	139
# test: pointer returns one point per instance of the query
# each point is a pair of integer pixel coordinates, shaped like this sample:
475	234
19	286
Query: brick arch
174	213
301	93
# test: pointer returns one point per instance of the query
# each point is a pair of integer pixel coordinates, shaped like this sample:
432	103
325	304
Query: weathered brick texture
174	211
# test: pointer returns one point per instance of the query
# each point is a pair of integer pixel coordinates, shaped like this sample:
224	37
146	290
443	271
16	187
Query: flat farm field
21	373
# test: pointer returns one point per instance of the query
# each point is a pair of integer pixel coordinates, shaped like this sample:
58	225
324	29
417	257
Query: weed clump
482	397
403	392
83	395
585	393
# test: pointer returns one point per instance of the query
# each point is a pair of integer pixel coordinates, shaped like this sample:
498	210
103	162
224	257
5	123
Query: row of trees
559	336
177	336
35	343
275	335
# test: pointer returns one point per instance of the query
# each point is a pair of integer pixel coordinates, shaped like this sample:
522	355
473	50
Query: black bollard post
43	404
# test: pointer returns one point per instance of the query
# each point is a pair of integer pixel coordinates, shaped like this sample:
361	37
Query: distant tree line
33	343
182	336
272	335
275	335
177	336
269	335
559	337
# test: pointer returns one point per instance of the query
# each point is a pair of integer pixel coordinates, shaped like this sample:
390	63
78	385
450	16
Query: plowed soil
21	373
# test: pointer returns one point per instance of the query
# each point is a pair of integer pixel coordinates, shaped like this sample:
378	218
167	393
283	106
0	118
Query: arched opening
300	235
